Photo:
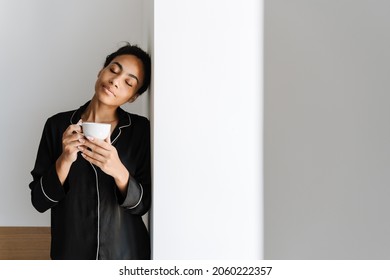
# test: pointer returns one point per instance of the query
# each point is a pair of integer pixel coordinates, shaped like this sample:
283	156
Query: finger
71	150
95	148
72	129
71	142
73	147
92	157
99	143
95	155
75	137
76	127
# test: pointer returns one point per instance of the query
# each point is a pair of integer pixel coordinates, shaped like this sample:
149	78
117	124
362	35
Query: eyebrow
121	67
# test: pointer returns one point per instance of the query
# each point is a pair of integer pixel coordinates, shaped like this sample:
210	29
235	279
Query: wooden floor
25	243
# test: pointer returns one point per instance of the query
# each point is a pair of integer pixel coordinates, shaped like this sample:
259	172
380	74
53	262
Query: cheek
97	85
127	93
98	81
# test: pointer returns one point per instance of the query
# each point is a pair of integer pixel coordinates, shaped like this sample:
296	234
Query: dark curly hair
139	53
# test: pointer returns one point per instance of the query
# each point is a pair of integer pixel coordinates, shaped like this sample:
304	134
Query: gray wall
327	136
50	54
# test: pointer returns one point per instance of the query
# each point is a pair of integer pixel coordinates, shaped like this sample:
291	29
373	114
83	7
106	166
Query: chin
106	100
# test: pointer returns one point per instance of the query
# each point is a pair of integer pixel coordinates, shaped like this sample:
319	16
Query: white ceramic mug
96	130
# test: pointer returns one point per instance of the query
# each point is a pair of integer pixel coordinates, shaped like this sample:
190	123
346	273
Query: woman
98	190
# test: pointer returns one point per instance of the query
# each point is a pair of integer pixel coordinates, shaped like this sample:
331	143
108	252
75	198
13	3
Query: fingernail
90	138
80	122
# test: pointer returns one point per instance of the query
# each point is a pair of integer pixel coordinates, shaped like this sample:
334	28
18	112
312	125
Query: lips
108	91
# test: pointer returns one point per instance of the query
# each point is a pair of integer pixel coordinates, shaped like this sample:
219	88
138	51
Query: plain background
207	115
51	53
326	129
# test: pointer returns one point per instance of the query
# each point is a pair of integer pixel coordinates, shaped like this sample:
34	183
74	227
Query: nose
113	82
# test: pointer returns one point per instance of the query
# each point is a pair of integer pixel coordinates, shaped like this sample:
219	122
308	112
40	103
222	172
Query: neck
100	113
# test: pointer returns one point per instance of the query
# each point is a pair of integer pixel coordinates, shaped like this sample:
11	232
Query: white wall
207	115
327	129
51	52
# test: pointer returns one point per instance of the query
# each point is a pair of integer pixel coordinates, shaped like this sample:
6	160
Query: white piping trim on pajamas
71	118
139	201
98	199
120	129
52	200
97	185
98	212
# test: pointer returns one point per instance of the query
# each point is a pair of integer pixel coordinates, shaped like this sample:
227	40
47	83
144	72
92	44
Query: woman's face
119	82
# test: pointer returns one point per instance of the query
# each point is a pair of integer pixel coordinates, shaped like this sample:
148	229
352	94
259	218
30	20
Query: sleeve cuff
134	194
51	186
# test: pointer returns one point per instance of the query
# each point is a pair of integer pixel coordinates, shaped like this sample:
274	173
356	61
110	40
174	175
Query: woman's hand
102	154
72	139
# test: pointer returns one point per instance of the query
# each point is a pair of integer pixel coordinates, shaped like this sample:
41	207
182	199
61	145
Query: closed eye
113	70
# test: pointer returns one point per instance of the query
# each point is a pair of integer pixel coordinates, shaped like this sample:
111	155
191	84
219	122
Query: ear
133	98
99	73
